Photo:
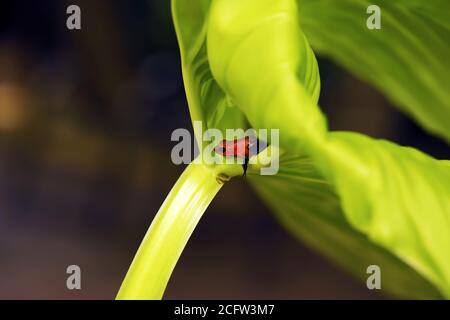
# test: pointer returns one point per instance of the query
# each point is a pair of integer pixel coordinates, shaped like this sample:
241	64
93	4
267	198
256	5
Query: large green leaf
407	59
207	101
308	206
398	197
358	200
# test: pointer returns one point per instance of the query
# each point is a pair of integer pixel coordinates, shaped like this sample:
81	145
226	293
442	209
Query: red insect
243	148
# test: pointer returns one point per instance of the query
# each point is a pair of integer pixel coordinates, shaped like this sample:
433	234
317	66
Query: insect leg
245	165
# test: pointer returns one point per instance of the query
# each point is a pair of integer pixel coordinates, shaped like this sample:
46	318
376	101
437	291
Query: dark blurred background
85	124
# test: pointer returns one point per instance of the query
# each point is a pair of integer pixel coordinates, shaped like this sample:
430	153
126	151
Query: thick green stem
169	232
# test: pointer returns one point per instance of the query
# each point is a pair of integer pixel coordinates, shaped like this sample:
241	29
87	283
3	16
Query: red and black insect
243	148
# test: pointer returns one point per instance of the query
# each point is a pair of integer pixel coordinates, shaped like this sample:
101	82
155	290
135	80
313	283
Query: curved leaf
307	205
260	57
398	197
207	101
407	59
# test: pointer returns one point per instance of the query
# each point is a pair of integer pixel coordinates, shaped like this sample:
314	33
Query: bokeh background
85	124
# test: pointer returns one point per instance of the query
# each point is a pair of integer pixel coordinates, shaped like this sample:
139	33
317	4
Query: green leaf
407	59
262	60
207	101
307	205
399	198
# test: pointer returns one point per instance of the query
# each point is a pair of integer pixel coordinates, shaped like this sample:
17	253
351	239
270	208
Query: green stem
169	232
